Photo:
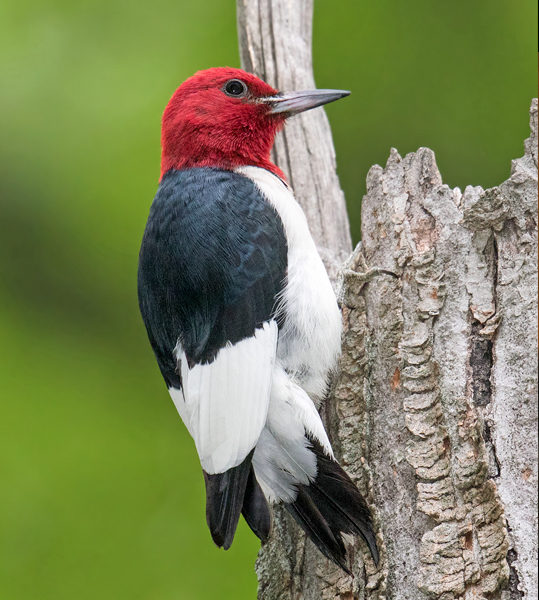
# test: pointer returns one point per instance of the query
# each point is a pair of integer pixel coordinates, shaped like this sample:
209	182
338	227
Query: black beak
296	102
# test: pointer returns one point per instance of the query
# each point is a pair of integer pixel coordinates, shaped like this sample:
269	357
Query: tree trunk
434	412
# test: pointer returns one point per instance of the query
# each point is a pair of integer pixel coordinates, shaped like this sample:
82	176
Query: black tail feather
310	519
255	508
224	500
339	500
339	503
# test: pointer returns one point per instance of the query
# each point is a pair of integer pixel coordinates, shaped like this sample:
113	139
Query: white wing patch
310	340
224	404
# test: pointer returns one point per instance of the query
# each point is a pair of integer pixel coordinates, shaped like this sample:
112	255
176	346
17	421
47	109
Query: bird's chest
310	339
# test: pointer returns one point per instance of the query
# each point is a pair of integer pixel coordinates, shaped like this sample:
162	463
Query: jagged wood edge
434	412
451	379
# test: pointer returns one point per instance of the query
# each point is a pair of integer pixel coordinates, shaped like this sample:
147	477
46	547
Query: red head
228	118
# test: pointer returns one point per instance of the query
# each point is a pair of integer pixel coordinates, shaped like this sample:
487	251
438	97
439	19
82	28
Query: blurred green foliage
101	495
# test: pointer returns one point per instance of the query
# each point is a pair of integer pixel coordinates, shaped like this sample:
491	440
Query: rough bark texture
433	412
275	44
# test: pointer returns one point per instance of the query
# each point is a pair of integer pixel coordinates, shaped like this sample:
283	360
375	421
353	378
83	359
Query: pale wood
275	44
434	411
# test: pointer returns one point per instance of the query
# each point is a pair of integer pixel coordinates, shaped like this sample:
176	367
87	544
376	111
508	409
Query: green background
101	495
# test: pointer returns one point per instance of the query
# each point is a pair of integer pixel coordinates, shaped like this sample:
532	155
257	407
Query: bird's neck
187	146
218	161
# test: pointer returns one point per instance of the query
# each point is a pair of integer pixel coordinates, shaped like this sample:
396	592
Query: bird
241	315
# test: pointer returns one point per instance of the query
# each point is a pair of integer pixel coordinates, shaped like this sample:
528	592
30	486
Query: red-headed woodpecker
241	314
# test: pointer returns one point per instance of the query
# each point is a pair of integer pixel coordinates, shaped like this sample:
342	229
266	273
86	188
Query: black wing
212	262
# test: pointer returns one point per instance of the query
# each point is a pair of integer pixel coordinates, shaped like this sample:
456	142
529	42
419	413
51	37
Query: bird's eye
235	88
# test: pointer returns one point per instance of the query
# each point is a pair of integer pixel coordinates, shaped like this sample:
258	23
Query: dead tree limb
434	410
275	44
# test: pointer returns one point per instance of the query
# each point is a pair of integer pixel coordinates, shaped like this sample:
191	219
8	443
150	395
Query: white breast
310	341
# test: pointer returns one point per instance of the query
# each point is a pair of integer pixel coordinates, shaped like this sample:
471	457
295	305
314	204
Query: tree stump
434	410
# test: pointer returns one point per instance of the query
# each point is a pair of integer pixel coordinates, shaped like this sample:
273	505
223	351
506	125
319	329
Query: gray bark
275	44
433	412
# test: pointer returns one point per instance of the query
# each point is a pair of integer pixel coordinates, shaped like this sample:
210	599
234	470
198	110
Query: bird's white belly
310	340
